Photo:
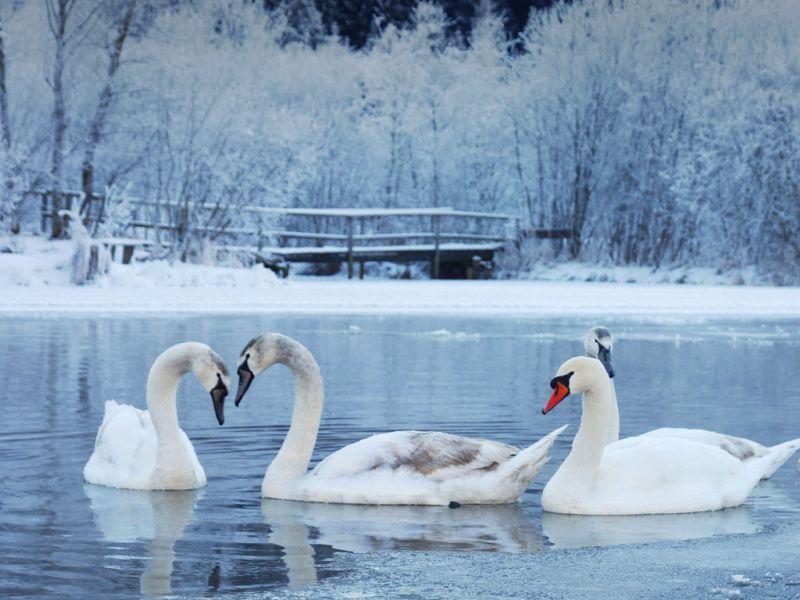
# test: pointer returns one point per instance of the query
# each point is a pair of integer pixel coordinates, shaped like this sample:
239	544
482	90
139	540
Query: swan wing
431	454
125	448
737	447
644	474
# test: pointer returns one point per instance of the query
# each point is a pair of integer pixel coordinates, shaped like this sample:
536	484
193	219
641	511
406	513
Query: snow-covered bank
307	295
37	281
578	271
43	265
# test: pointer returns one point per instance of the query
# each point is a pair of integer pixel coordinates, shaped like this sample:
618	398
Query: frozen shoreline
36	281
763	565
464	298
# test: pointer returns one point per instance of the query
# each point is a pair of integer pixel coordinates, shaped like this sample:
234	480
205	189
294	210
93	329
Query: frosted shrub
90	258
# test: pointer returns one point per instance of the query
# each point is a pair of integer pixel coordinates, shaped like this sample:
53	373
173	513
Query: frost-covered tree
659	132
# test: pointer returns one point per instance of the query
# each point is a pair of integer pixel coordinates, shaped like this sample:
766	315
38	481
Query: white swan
146	449
401	467
599	343
642	474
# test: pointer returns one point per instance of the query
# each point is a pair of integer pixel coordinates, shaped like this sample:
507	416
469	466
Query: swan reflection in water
126	516
363	528
577	531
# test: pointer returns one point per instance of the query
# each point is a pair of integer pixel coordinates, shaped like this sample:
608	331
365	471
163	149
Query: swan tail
110	409
776	456
523	467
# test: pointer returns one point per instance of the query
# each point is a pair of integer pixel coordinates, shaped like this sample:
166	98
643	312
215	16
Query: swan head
213	376
598	343
258	355
576	376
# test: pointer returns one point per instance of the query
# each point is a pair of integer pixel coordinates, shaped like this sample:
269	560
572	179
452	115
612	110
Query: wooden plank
349	212
479	215
553	234
349	247
377	212
428	236
304	235
437	255
449	252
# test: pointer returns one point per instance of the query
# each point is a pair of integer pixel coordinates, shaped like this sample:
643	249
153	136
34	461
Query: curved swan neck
590	441
295	452
612	434
162	385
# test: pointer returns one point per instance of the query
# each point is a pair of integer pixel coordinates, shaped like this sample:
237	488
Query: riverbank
37	281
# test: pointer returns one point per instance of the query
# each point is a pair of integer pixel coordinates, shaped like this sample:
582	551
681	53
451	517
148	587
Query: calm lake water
479	377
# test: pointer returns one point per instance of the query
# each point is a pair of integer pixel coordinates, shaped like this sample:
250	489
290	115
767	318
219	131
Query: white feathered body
418	468
656	473
740	448
126	452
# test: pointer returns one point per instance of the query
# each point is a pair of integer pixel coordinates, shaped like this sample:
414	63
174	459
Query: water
480	377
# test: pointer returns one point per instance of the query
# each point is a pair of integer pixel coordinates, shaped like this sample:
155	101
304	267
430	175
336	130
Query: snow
577	271
37	281
380	250
43	270
444	211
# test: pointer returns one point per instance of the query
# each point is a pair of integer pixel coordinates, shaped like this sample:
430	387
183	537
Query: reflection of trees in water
160	517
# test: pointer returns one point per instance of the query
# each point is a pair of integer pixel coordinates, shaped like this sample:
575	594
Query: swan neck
162	386
612	434
592	436
295	452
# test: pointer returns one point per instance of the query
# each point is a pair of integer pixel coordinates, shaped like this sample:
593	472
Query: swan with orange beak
644	474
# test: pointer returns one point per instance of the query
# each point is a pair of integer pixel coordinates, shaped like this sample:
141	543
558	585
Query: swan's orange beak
560	391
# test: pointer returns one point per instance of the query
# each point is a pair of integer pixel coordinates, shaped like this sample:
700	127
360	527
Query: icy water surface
480	377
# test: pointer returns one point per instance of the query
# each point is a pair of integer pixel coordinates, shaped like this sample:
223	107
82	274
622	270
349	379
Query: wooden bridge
455	243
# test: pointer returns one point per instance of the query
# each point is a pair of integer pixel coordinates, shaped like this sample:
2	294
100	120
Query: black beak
604	355
246	377
218	398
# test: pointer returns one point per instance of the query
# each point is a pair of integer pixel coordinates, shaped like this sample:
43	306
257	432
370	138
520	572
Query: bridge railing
355	224
347	232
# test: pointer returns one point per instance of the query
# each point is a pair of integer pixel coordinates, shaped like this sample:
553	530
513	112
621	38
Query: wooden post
45	211
127	253
436	254
349	247
361	262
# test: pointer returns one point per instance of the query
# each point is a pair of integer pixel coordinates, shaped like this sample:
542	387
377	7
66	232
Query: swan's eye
562	379
247	356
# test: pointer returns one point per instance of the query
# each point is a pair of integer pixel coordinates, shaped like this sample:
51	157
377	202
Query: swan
642	474
598	343
401	467
146	449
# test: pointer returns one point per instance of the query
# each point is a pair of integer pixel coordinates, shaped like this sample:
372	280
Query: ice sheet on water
455	336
